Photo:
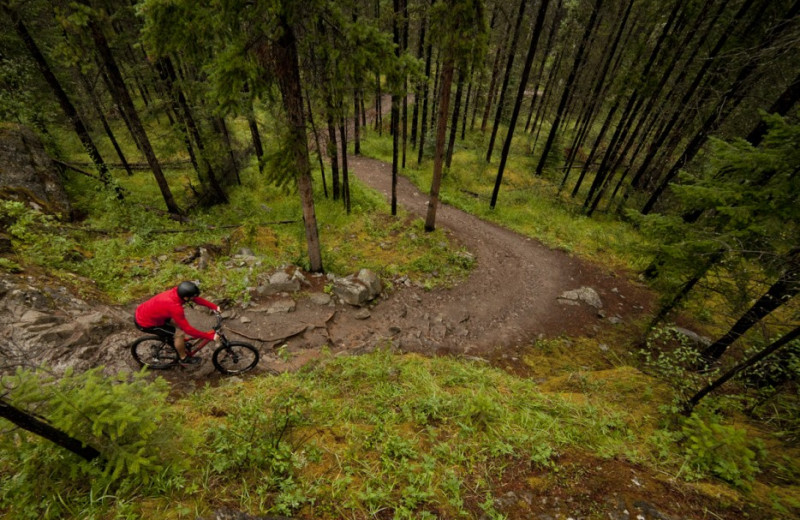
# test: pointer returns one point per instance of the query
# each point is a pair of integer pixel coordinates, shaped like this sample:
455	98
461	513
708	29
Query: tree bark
568	86
506	78
441	134
784	340
38	427
287	71
121	94
526	70
61	96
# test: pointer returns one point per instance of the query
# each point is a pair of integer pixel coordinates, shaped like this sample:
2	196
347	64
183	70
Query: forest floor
511	300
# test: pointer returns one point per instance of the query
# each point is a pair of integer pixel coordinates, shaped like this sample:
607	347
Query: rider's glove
216	337
219	310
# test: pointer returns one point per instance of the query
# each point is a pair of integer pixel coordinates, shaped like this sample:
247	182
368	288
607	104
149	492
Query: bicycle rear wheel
153	352
235	358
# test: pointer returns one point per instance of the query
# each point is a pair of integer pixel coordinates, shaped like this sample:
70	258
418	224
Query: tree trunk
333	154
526	70
98	107
356	124
167	71
397	4
784	340
506	78
38	427
781	106
418	91
63	99
121	94
689	94
568	86
423	125
778	294
345	172
319	148
255	135
547	52
441	134
454	122
287	72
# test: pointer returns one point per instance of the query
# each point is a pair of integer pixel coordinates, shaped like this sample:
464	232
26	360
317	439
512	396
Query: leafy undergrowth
386	435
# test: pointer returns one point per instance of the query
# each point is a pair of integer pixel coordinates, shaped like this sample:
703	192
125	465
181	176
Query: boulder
27	173
586	295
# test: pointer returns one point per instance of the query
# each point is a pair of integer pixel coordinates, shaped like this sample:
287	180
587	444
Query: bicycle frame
195	345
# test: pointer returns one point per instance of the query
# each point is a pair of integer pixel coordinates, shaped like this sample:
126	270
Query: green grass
377	435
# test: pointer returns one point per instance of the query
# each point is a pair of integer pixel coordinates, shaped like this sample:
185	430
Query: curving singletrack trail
511	297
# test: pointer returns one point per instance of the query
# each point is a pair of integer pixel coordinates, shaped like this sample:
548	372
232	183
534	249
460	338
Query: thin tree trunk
104	121
61	96
255	135
345	172
788	98
356	124
333	153
545	55
441	133
397	7
526	70
506	78
167	69
319	148
454	122
466	103
425	87
568	86
778	294
689	93
38	427
784	340
121	94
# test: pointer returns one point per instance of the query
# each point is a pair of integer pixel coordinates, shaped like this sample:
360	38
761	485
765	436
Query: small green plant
714	449
122	417
669	355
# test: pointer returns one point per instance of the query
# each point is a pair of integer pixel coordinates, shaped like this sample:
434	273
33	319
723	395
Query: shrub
123	417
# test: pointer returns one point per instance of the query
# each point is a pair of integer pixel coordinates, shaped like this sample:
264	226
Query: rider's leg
180	342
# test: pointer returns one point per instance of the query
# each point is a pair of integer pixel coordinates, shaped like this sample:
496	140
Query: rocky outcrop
43	324
27	173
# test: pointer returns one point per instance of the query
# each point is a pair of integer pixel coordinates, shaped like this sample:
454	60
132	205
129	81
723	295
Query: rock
27	173
586	295
321	298
692	337
279	282
362	314
350	292
371	280
245	319
282	306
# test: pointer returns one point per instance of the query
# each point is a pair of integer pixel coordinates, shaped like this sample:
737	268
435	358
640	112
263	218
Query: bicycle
231	357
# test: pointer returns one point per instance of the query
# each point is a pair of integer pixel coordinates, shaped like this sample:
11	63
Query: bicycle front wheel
153	352
235	358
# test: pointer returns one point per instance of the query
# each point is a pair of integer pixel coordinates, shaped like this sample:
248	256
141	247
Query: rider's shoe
190	360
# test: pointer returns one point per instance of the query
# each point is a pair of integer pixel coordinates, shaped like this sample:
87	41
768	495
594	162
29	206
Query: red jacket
168	306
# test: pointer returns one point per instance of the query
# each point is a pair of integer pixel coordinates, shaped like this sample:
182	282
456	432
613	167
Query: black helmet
188	290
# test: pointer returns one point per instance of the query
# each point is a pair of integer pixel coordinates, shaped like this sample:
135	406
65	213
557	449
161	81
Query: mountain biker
164	316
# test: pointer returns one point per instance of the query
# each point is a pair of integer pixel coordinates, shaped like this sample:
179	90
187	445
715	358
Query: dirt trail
512	296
